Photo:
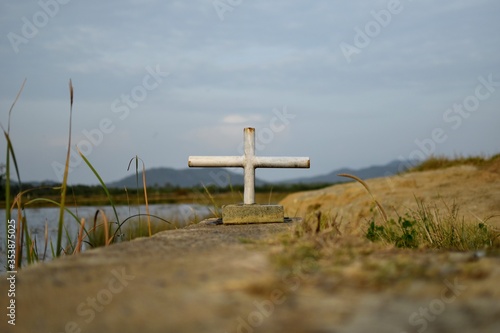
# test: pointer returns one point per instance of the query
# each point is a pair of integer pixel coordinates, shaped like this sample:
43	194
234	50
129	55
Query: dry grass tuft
441	162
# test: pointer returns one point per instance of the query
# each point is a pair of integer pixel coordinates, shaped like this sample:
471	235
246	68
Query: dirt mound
474	190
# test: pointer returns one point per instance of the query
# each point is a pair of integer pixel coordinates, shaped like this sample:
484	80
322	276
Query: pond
38	218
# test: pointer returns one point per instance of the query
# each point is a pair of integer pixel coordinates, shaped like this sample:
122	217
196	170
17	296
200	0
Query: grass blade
146	197
14	103
65	176
46	235
78	247
379	206
144	187
103	185
9	152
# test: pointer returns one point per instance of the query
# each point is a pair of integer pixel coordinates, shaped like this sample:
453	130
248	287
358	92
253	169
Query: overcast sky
347	83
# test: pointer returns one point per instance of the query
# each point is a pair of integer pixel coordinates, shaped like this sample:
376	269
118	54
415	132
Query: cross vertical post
249	173
249	162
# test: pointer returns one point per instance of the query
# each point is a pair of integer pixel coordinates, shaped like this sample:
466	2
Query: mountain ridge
221	177
373	171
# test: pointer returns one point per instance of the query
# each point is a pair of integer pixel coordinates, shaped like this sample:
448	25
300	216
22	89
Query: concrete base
242	214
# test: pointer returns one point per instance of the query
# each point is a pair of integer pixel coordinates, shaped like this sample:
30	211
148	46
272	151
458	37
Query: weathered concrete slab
221	278
186	280
244	214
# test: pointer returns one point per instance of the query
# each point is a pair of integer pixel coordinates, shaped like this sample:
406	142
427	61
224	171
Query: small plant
409	235
428	227
402	233
374	232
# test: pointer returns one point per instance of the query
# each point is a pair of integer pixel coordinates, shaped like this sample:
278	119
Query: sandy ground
476	191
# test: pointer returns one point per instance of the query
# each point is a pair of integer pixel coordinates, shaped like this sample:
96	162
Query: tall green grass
10	153
65	175
101	233
145	190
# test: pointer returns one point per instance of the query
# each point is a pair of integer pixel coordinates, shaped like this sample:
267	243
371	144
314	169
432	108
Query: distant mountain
375	171
184	178
223	177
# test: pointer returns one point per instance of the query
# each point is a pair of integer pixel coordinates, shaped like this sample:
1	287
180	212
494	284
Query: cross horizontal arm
216	161
282	162
249	162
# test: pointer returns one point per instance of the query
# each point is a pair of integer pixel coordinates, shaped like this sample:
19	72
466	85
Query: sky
346	83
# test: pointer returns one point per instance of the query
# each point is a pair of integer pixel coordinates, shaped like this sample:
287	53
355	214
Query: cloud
226	75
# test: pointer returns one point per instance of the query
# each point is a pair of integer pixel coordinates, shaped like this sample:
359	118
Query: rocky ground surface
259	278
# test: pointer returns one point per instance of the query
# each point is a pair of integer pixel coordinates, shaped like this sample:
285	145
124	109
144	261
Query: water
37	218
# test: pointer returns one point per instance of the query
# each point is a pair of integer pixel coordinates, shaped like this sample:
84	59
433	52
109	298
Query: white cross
249	162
